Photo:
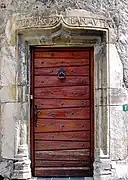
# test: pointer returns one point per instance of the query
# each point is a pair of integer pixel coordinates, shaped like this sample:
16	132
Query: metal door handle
36	111
61	74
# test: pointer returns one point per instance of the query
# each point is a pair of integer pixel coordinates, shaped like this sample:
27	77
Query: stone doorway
67	30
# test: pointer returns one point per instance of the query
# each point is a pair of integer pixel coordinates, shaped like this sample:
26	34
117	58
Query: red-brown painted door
62	118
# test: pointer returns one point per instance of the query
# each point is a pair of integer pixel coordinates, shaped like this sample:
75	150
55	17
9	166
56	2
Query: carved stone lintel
74	21
24	23
36	22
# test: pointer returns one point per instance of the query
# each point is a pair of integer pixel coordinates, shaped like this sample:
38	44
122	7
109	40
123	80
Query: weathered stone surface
118	133
118	96
119	170
6	168
111	77
22	169
8	94
115	67
8	65
9	117
61	178
102	97
107	8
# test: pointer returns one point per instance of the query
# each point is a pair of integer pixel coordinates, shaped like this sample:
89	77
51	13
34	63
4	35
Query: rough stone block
115	67
8	66
120	169
8	94
9	116
6	168
100	68
118	132
118	96
101	97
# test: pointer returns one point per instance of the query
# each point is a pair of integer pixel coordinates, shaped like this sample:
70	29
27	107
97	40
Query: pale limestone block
82	13
112	38
97	127
118	96
116	67
23	69
21	175
8	66
105	165
101	96
101	132
6	168
106	177
24	93
120	169
118	133
98	66
102	167
26	111
101	70
104	131
8	93
88	178
8	118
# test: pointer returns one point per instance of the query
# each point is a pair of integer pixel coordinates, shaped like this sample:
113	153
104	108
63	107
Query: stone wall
116	10
12	86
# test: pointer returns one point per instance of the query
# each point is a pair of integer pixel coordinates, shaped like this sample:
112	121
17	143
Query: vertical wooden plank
31	110
92	106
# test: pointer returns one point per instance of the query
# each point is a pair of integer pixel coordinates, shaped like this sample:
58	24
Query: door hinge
31	96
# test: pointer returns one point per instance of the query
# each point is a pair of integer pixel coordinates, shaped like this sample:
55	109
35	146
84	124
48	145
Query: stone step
64	178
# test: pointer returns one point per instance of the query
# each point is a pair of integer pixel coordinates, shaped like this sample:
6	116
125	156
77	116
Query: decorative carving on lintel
32	24
71	21
37	22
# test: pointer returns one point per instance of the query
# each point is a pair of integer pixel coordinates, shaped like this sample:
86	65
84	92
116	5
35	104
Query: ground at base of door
64	178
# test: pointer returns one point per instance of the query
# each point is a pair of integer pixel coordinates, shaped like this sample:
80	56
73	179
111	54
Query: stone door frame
83	30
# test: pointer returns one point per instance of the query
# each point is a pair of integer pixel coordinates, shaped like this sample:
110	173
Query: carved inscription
87	21
43	22
34	22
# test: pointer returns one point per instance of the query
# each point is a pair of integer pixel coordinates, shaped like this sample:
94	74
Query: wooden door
62	118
